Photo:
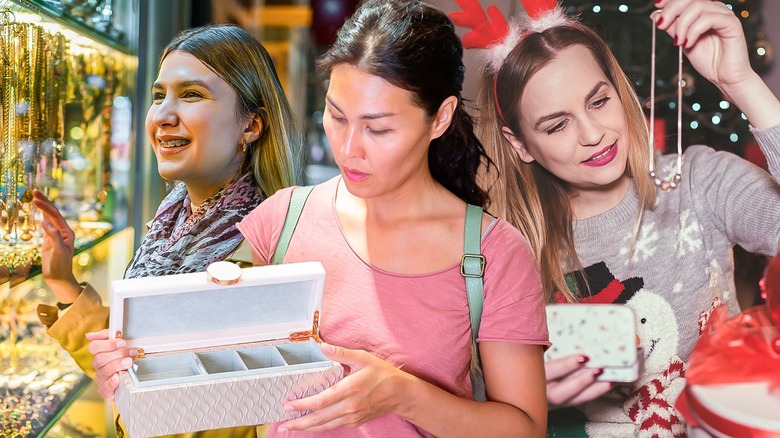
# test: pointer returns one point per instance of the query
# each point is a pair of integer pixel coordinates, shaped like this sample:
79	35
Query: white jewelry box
606	333
214	355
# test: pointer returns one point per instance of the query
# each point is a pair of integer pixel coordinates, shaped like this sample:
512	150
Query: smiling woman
221	126
193	127
577	174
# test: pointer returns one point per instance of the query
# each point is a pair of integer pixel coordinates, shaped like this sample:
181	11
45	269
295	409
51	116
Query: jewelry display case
39	380
66	128
68	74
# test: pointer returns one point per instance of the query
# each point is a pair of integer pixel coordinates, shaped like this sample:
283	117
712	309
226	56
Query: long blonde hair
528	195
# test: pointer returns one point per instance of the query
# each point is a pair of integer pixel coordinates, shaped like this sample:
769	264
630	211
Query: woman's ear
254	128
517	145
444	116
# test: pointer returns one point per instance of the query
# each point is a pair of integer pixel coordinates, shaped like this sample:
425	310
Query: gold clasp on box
314	333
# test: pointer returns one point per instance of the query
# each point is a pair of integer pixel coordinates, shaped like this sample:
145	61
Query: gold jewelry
244	146
675	180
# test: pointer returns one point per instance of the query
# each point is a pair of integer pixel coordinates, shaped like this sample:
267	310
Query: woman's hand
712	38
370	390
57	251
111	357
569	383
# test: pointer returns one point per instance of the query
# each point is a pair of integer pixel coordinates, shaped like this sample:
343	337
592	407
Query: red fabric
536	8
649	406
771	291
749	343
754	154
487	29
746	340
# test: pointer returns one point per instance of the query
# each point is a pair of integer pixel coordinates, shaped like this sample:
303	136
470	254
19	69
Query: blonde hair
278	158
528	195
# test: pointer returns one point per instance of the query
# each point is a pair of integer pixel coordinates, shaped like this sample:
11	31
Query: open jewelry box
216	352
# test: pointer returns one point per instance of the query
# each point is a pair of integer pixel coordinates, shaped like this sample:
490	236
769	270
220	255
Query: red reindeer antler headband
491	31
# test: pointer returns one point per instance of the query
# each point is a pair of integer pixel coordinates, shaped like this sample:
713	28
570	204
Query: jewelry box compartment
196	366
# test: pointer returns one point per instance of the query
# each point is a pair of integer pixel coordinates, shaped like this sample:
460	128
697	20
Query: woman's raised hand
713	41
711	36
57	251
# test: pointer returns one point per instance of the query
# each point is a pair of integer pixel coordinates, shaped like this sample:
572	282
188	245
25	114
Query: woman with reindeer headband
578	176
389	231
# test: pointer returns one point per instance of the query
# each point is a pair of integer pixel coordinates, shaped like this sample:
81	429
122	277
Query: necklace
665	184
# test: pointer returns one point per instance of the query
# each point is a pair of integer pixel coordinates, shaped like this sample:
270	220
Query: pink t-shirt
418	322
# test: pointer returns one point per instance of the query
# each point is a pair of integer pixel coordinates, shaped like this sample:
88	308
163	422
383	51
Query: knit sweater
679	268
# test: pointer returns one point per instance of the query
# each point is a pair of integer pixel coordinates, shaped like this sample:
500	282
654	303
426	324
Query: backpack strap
298	200
472	268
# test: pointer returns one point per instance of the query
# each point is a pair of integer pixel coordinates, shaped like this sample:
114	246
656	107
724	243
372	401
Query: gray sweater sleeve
769	141
742	200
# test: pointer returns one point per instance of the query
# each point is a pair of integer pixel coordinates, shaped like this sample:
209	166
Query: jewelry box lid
217	307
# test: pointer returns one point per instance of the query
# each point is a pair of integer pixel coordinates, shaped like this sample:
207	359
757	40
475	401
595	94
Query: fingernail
121	343
658	2
684	43
598	372
132	352
583	359
675	41
282	429
288	408
660	20
126	362
327	348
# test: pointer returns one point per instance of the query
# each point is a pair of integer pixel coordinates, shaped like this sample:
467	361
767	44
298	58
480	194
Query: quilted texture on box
211	404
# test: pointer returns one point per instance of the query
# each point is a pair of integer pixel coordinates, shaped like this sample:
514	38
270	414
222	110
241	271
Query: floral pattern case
605	333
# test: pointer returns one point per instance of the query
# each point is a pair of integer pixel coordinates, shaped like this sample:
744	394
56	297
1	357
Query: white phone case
605	333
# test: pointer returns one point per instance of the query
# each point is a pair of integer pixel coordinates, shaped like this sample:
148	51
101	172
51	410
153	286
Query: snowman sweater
679	269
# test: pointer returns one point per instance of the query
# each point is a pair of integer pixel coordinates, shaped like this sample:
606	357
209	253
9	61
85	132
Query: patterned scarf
181	241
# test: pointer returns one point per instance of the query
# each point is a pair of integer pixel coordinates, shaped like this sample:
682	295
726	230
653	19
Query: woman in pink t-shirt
389	231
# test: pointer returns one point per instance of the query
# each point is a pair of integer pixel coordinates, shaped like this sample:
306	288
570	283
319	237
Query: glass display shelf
90	18
66	122
40	380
